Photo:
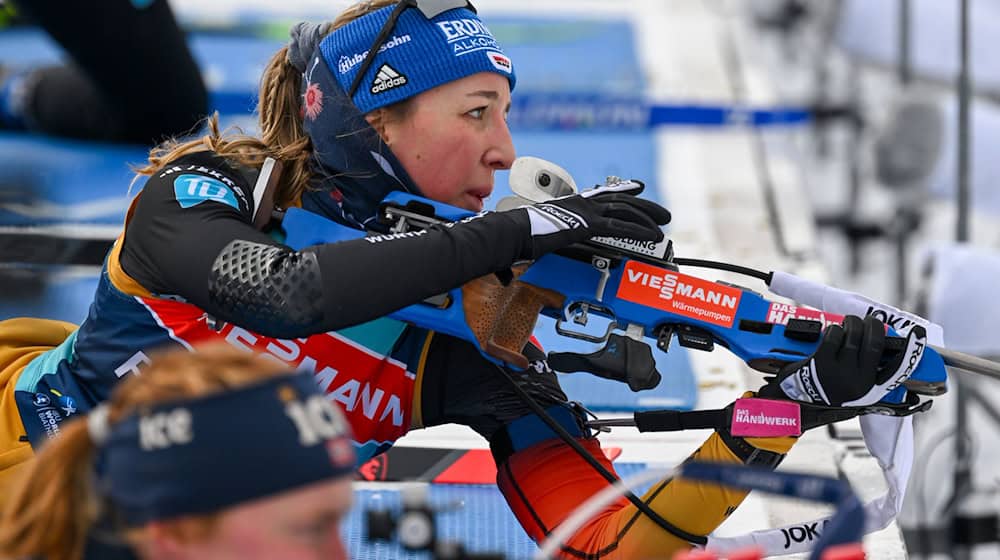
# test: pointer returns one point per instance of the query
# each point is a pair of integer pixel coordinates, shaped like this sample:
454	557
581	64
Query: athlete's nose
501	152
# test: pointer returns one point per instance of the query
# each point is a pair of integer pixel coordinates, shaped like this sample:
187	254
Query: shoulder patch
192	189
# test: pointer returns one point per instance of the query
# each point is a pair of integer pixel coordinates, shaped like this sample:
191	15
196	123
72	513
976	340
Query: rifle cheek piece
503	317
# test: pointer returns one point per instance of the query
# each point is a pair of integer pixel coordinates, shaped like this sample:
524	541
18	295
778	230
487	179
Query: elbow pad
268	289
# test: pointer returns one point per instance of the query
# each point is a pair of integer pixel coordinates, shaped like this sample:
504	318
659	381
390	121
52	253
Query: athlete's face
302	524
454	138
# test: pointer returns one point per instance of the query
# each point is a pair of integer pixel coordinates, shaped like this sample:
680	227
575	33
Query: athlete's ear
377	120
172	539
159	542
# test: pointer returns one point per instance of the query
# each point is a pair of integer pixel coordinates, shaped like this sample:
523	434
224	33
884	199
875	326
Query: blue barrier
597	111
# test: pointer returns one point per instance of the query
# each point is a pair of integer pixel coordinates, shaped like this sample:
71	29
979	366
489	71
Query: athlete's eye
318	529
477	113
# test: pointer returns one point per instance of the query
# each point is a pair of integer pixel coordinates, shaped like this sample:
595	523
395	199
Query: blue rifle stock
637	293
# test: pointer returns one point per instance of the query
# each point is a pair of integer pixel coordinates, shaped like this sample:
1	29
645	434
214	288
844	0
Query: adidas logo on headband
387	78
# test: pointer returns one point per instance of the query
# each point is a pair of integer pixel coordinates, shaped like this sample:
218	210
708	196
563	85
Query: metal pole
904	69
963	468
964	92
968	362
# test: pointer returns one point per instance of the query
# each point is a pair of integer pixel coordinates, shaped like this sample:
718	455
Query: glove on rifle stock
848	368
612	210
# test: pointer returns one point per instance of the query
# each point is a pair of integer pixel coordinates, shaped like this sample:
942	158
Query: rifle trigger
578	313
693	337
621	359
663	336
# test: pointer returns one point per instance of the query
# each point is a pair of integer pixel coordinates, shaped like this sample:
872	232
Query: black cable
746	271
586	456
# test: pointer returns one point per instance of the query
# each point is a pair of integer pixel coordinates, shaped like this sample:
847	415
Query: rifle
641	290
637	286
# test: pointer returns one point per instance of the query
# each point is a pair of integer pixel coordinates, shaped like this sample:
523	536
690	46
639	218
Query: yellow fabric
545	483
117	275
119	279
696	507
417	416
775	444
21	340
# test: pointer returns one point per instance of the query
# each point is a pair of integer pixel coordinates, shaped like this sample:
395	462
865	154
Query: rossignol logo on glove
678	293
807	386
916	351
387	78
569	220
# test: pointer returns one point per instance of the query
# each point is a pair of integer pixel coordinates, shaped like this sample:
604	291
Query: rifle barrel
968	362
612	423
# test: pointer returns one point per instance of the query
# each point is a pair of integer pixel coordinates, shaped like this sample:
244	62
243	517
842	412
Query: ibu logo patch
387	78
191	190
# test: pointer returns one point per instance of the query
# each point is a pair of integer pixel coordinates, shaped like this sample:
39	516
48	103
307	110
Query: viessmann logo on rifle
678	293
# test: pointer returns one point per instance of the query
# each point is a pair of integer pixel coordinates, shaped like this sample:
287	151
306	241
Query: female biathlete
160	469
408	96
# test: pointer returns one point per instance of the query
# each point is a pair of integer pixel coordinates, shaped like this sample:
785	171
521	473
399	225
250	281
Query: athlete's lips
477	196
480	192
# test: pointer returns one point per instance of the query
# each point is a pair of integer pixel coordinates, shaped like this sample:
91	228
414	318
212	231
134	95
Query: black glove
611	210
847	368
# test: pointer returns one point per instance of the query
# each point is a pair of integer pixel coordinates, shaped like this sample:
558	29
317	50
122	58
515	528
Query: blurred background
848	141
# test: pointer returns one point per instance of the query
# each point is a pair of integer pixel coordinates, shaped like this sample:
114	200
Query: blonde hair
51	512
279	115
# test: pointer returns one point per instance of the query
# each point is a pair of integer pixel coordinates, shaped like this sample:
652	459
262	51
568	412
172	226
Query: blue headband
202	455
418	55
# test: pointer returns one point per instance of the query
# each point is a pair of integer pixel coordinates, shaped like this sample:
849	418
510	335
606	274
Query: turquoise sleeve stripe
379	335
45	364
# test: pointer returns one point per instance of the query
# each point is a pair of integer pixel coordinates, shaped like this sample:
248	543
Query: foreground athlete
389	97
165	466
